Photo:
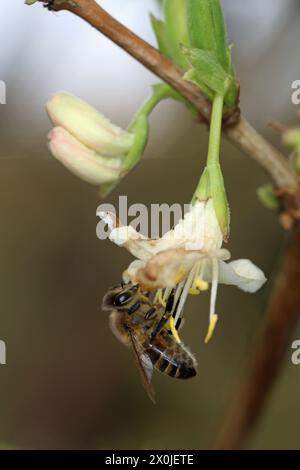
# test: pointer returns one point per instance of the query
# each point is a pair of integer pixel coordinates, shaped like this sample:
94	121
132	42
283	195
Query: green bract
207	28
193	35
207	69
173	32
209	54
211	185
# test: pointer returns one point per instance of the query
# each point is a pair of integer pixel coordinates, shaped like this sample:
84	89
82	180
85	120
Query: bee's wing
144	365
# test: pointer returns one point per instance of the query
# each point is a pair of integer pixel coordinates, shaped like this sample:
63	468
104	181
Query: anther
211	328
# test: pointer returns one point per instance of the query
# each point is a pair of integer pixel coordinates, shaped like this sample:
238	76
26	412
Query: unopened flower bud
81	160
89	126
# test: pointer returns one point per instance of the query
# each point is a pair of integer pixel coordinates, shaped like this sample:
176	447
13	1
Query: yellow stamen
161	300
173	330
200	284
211	328
194	291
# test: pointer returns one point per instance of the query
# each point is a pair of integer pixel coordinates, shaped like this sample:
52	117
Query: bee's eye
122	299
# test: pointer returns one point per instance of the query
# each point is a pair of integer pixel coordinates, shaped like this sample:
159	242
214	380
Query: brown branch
253	144
143	52
239	132
273	340
284	304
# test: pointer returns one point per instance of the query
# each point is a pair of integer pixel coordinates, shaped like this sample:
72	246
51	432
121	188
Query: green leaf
232	95
200	24
30	2
207	29
209	71
220	33
176	25
195	77
160	32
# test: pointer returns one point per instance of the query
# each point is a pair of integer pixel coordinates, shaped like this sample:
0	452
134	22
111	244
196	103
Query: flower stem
161	91
203	190
215	130
140	125
211	183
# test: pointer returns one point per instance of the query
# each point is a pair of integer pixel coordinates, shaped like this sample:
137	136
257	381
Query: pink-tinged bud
82	161
88	126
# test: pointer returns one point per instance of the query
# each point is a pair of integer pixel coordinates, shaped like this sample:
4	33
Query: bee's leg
167	314
150	313
179	323
162	322
171	314
170	302
133	308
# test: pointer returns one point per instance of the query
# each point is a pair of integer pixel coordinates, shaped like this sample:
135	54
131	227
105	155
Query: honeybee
142	325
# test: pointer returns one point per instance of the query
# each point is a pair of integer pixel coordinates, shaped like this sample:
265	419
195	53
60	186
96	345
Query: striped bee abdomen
171	358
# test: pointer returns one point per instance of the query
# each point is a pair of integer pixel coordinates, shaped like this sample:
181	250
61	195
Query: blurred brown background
68	383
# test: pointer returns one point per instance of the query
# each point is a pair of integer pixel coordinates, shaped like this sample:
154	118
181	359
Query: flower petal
166	269
88	125
127	237
80	160
130	275
243	274
198	230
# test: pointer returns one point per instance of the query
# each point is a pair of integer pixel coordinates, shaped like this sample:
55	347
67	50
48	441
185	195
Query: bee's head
120	297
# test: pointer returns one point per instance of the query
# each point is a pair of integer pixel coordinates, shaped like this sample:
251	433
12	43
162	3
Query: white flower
189	257
87	143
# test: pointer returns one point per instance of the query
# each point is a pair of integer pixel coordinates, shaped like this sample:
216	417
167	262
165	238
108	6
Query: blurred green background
68	382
